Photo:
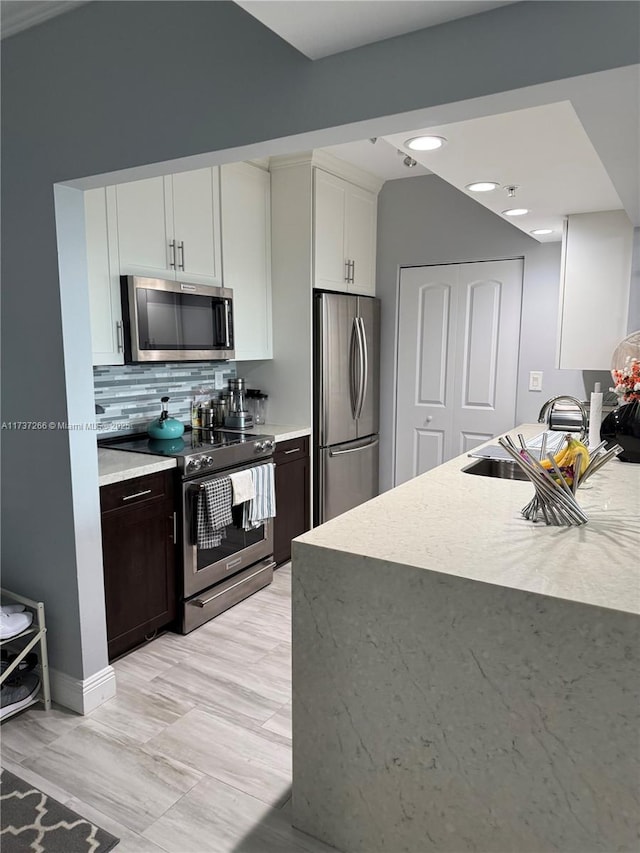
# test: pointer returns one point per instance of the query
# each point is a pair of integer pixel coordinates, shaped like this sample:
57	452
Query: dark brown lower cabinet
292	495
139	559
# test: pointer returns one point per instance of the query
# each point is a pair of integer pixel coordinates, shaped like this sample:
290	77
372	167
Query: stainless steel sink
504	469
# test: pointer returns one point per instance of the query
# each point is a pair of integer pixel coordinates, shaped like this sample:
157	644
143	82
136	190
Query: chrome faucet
547	409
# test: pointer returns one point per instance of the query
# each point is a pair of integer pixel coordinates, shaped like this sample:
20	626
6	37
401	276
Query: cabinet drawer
288	451
135	491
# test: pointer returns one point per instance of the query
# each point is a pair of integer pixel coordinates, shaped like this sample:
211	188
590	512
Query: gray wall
426	221
114	85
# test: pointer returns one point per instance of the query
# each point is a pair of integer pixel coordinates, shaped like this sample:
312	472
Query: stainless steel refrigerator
346	399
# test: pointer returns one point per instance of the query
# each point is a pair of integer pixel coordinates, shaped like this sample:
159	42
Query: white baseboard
82	696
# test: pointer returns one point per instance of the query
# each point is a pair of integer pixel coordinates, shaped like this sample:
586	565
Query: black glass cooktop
193	441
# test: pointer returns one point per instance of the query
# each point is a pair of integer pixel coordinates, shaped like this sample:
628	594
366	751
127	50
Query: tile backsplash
130	393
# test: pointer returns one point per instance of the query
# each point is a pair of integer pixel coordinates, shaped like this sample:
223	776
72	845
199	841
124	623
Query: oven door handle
196	491
202	602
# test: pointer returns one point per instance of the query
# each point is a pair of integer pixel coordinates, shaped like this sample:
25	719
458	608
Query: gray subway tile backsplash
130	393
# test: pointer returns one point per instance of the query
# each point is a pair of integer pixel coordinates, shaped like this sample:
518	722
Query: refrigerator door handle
364	365
354	391
353	449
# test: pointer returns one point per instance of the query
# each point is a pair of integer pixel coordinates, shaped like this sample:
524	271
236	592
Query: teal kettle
165	427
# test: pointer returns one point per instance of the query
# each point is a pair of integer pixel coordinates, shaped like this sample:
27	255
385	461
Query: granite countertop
281	432
458	524
115	466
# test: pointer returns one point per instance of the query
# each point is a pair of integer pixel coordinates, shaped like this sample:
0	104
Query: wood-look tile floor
193	755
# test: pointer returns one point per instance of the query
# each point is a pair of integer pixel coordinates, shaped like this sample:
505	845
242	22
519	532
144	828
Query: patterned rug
33	822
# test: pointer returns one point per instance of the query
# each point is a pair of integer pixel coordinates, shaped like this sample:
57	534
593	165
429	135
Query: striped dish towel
214	512
263	506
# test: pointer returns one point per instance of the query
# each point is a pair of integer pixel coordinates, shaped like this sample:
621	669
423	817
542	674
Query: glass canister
257	403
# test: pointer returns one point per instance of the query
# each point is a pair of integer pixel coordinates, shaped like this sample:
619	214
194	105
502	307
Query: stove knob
193	465
259	446
269	445
206	461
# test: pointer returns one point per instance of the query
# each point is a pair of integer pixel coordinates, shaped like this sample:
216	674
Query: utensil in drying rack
554	500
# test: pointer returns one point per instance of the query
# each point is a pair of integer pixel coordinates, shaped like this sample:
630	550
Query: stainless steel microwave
175	321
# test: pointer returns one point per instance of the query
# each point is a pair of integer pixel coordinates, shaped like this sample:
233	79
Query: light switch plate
535	380
219	381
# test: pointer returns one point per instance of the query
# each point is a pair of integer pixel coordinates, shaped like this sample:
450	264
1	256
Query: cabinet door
139	573
246	240
143	212
594	288
292	506
196	225
360	249
330	270
103	276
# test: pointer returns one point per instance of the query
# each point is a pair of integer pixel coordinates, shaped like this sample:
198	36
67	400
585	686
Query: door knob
428	419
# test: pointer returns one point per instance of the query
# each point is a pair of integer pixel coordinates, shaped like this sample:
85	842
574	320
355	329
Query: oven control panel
220	458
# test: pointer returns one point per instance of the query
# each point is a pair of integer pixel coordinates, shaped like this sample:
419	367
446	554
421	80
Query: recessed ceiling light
541	231
515	211
425	143
482	186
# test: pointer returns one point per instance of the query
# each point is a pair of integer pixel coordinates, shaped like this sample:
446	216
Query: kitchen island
464	679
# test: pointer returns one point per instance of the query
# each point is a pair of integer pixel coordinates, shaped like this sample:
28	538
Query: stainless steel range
213	579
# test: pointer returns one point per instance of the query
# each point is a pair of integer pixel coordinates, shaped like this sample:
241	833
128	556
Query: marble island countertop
470	526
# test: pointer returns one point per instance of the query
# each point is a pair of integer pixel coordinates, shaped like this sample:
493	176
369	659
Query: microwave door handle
226	324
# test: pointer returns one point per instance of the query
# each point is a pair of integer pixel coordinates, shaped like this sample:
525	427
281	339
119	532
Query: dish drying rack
555	501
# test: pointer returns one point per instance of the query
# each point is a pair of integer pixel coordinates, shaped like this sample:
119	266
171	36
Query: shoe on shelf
17	693
26	664
12	624
12	608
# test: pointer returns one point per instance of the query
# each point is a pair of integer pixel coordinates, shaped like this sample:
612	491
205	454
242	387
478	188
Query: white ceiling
545	150
321	28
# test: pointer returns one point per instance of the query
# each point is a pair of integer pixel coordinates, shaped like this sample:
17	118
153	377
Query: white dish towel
242	486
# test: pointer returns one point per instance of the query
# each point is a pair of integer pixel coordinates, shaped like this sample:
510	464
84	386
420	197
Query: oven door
239	549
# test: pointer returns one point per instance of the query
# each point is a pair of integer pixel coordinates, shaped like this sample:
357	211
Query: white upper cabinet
103	277
344	231
246	244
196	225
169	227
594	288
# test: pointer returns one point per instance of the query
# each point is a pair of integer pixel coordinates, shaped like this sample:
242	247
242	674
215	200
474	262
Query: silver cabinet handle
172	255
353	272
175	528
353	449
295	450
137	495
347	270
181	250
119	336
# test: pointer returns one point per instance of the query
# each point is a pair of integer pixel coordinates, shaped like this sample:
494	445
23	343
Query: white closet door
458	342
